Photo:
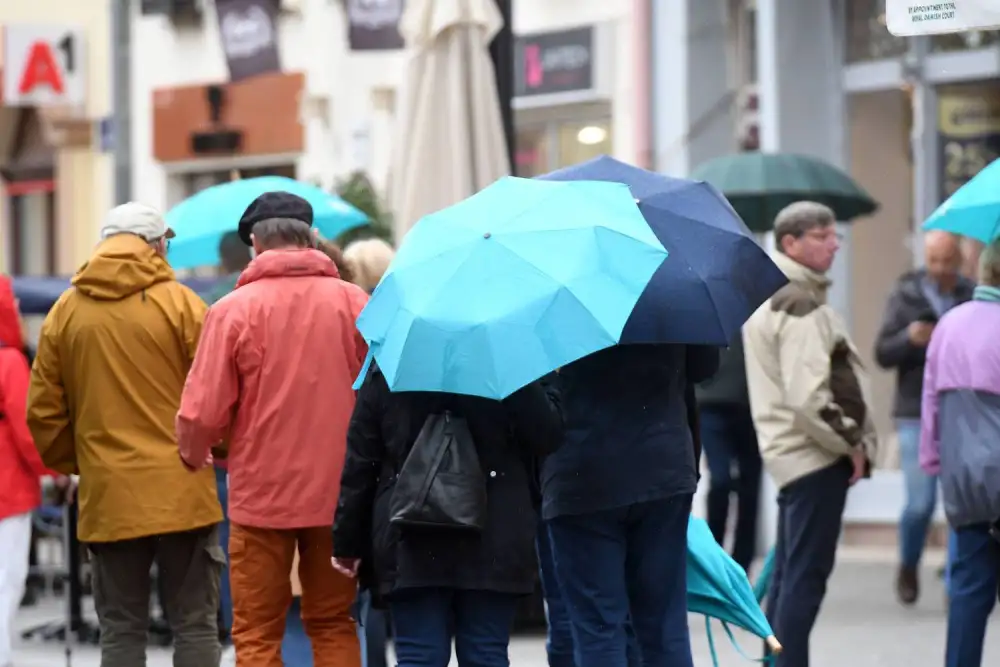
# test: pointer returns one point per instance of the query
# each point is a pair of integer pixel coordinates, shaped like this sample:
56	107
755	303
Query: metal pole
502	53
121	116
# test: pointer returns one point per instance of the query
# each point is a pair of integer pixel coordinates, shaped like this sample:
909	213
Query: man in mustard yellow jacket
105	388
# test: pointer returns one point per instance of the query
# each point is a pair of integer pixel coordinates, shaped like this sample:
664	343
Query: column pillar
693	101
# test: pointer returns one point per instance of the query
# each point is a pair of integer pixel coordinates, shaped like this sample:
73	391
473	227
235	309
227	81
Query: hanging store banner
554	62
248	30
906	18
373	25
969	133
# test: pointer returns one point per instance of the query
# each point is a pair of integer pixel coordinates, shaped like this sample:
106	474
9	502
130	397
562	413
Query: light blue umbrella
201	220
504	287
718	588
974	209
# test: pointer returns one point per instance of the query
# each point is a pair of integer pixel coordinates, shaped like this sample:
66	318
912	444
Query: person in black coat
617	497
443	584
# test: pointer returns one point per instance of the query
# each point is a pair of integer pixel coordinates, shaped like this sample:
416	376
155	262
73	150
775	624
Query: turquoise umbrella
200	221
508	285
974	209
718	588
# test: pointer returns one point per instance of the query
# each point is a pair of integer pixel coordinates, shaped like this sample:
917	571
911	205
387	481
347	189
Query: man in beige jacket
810	409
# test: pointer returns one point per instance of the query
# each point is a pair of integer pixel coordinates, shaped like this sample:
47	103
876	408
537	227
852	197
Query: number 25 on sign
932	17
43	65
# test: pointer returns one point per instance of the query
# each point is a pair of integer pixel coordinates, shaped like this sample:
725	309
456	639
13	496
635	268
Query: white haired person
369	259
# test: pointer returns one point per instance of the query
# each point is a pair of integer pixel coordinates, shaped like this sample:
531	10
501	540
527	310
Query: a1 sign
43	65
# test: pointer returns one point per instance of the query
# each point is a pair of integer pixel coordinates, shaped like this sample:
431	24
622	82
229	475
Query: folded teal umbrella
201	220
508	285
974	209
718	588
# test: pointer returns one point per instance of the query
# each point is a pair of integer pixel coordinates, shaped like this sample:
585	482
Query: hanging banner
248	30
906	18
373	25
969	131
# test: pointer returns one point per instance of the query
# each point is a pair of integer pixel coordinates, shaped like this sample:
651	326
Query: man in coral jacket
20	469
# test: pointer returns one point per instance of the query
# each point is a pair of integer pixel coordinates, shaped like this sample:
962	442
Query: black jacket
509	436
728	386
893	349
628	431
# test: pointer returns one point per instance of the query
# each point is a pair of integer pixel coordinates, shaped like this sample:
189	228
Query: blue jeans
296	649
559	645
371	631
225	593
426	619
728	438
626	565
921	495
973	593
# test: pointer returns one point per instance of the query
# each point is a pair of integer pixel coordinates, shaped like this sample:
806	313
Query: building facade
56	175
910	119
332	108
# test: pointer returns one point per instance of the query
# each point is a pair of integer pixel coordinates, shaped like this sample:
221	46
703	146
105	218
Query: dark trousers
972	592
810	513
372	631
729	441
189	565
622	565
425	620
225	592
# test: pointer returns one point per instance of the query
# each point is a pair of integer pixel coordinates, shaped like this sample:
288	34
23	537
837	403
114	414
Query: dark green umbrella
759	185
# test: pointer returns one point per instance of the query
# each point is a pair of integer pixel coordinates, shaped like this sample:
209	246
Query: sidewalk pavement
861	625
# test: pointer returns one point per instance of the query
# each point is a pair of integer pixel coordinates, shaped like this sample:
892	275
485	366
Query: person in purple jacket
960	442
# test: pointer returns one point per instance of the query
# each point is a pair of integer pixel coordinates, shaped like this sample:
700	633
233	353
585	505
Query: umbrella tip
773	644
487	235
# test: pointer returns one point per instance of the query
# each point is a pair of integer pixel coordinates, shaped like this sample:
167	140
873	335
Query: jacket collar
814	282
288	263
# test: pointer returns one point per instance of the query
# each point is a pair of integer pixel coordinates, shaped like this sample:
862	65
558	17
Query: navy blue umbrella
716	274
36	295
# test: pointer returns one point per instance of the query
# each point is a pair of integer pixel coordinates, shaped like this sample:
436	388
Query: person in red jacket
21	468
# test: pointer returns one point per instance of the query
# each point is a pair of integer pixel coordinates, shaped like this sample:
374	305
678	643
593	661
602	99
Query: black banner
969	134
248	30
373	25
554	62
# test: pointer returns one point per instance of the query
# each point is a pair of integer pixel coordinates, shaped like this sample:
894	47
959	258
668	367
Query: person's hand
860	462
920	333
66	487
209	461
346	566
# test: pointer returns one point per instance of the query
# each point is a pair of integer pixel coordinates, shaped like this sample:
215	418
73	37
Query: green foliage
358	191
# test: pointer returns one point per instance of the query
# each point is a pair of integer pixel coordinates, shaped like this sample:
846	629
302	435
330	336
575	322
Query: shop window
579	142
867	35
198	181
532	151
962	41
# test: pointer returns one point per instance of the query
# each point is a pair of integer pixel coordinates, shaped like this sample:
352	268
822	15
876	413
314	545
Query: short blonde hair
369	259
989	265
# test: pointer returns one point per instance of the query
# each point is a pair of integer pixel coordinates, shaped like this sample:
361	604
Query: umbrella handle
773	644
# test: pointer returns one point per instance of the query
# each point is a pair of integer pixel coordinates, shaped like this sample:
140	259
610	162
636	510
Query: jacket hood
817	283
121	266
287	264
10	321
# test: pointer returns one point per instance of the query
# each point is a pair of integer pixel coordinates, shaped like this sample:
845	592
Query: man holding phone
916	304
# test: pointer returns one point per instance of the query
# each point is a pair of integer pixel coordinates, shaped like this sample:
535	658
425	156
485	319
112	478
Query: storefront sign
44	66
554	62
373	25
969	131
906	18
248	30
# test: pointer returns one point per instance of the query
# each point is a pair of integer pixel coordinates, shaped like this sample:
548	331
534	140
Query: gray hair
989	265
274	233
800	217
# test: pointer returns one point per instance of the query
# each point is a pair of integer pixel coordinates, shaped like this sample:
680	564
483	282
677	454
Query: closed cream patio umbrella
450	141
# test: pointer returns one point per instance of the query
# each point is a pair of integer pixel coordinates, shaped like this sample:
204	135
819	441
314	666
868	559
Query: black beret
274	205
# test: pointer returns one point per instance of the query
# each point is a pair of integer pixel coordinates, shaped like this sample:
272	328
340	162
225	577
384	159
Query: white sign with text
906	18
